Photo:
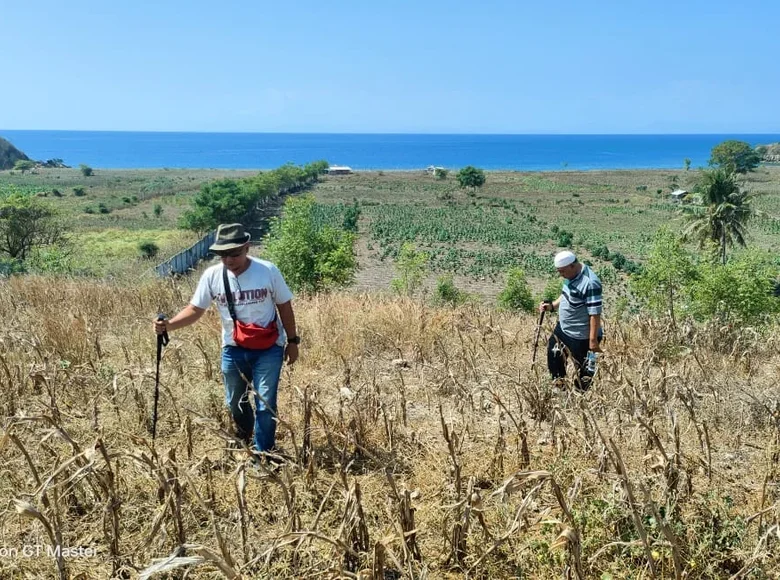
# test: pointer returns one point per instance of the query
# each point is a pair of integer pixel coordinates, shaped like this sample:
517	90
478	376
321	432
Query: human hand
160	325
594	346
291	353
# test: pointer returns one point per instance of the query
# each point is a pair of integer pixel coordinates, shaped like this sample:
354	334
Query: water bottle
590	362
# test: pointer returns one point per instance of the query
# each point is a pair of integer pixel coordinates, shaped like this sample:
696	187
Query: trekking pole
538	332
162	340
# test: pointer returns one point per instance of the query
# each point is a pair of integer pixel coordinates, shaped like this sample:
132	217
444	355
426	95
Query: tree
667	274
471	177
516	295
86	170
311	258
27	222
220	202
735	156
723	214
411	267
24	165
687	163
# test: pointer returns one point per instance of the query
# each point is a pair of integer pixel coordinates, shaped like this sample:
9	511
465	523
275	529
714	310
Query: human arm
593	335
188	315
593	301
287	315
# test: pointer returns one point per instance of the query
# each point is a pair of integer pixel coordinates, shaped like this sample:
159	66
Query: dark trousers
559	348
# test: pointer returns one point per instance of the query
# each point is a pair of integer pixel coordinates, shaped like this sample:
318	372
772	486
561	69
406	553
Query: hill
420	442
9	154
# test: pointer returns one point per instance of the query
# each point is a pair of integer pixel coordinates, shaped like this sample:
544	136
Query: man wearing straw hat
248	292
578	331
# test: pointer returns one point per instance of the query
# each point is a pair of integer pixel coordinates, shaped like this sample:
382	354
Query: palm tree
723	213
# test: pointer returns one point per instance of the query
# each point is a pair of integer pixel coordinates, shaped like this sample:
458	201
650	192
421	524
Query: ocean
132	150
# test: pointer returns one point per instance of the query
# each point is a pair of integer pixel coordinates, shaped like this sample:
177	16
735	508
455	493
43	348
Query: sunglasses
231	254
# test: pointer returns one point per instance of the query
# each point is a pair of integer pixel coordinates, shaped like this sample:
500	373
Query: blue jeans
262	368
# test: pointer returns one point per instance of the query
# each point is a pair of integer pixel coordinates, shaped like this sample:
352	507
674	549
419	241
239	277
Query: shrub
148	249
516	295
86	170
552	289
565	239
739	292
56	193
447	293
79	191
470	176
103	208
158	210
310	258
411	268
11	266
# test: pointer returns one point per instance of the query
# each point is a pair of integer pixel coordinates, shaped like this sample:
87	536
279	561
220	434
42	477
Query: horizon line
351	133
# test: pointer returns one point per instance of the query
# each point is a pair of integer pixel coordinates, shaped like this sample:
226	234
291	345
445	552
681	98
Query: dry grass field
419	443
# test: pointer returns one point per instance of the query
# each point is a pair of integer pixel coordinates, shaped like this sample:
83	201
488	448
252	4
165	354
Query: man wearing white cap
579	319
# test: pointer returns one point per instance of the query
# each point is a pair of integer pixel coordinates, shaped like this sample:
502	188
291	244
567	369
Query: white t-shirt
256	292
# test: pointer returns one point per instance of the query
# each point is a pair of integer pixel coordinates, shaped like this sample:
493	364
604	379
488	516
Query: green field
515	219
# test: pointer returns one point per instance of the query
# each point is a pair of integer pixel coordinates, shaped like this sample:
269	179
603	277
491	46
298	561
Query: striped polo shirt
580	299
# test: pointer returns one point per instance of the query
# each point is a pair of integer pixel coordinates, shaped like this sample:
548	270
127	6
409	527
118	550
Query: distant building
433	170
339	170
679	194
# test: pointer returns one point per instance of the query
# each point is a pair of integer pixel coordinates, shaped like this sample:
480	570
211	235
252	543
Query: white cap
564	258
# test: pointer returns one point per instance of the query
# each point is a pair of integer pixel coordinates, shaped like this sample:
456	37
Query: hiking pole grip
162	339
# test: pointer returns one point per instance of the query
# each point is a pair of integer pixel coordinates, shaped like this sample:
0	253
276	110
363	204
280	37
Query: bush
310	258
56	193
148	249
158	210
470	176
86	170
103	208
11	266
79	191
447	293
740	292
516	295
411	267
552	290
565	239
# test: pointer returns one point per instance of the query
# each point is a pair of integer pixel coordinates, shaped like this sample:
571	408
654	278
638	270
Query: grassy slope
694	429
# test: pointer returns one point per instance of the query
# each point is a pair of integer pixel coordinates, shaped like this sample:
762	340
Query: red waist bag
251	336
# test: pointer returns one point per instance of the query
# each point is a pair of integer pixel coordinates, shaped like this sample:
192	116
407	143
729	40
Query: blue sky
684	66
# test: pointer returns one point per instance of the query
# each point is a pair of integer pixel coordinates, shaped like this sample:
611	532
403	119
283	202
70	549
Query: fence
186	259
267	207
